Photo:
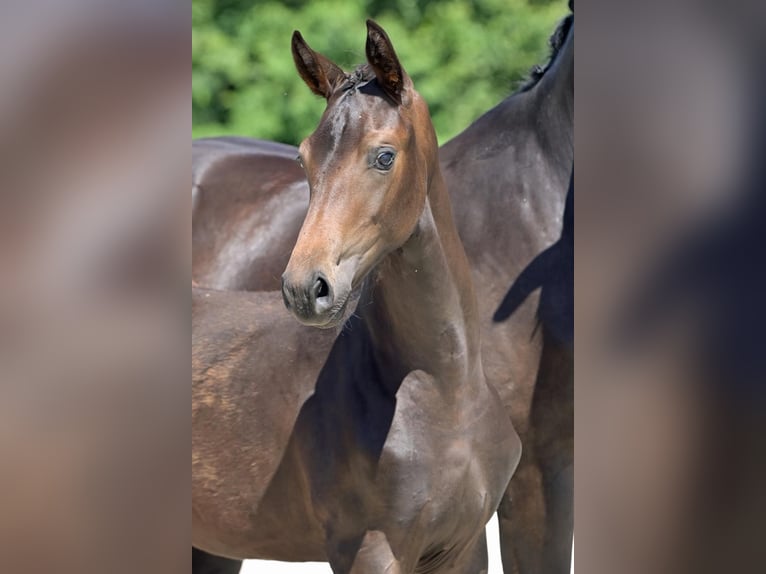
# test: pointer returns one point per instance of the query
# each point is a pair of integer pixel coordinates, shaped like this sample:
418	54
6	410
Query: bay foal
400	456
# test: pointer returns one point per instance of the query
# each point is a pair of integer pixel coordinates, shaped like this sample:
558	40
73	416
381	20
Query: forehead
351	119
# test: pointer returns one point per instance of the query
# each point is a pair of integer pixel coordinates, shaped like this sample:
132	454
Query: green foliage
464	57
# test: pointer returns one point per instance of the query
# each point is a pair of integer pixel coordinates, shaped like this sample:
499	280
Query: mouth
347	283
342	310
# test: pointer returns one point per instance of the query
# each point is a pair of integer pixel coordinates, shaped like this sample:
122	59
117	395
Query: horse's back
249	197
204	149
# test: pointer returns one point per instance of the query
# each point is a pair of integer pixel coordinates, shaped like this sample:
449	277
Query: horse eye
299	160
384	160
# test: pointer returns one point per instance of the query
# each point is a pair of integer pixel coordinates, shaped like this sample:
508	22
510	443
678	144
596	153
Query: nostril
321	289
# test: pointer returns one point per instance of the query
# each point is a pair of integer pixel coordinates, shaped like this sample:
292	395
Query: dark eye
299	160
385	160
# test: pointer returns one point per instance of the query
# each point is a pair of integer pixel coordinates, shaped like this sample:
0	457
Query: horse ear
319	73
384	62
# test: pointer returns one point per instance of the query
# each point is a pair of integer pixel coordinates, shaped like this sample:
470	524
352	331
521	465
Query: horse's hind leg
204	563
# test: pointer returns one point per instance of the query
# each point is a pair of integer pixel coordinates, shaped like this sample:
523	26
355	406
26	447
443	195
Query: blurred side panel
670	284
94	254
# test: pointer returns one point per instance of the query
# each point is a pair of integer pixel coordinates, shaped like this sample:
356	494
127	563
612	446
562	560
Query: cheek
387	207
402	214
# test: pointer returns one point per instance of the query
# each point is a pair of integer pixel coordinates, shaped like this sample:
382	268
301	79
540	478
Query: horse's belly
267	534
272	522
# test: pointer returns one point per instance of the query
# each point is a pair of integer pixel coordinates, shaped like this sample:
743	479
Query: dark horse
507	176
375	442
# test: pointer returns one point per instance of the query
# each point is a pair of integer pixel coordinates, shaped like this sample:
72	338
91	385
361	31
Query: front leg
537	513
370	555
204	563
478	562
521	518
553	420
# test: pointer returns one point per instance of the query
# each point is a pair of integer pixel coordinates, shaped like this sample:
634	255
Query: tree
464	57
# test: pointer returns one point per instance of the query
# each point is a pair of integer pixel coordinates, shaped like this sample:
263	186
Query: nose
310	298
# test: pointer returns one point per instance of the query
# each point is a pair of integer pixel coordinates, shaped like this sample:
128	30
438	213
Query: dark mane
556	42
360	76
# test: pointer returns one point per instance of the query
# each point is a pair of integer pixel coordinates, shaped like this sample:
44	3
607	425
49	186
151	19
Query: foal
402	453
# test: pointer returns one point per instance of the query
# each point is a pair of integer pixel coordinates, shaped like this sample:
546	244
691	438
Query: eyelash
383	166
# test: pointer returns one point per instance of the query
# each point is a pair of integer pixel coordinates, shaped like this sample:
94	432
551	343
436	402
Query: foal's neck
422	310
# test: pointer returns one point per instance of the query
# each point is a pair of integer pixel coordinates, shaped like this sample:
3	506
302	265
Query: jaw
337	316
342	310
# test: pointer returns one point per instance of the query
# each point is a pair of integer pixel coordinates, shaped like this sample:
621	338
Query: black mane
360	79
360	76
556	42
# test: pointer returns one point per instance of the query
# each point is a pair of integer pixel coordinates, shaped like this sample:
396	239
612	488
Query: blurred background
94	249
464	56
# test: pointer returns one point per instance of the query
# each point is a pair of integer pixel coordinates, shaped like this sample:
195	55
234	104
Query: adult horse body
242	236
507	176
384	449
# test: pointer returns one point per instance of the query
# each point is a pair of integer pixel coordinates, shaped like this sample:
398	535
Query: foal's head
368	165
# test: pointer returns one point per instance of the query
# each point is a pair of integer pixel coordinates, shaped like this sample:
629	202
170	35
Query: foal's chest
428	482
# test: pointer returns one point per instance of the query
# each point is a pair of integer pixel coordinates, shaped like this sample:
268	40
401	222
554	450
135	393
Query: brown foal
374	443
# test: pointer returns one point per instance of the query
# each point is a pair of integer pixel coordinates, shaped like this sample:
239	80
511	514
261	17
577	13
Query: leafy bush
464	57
